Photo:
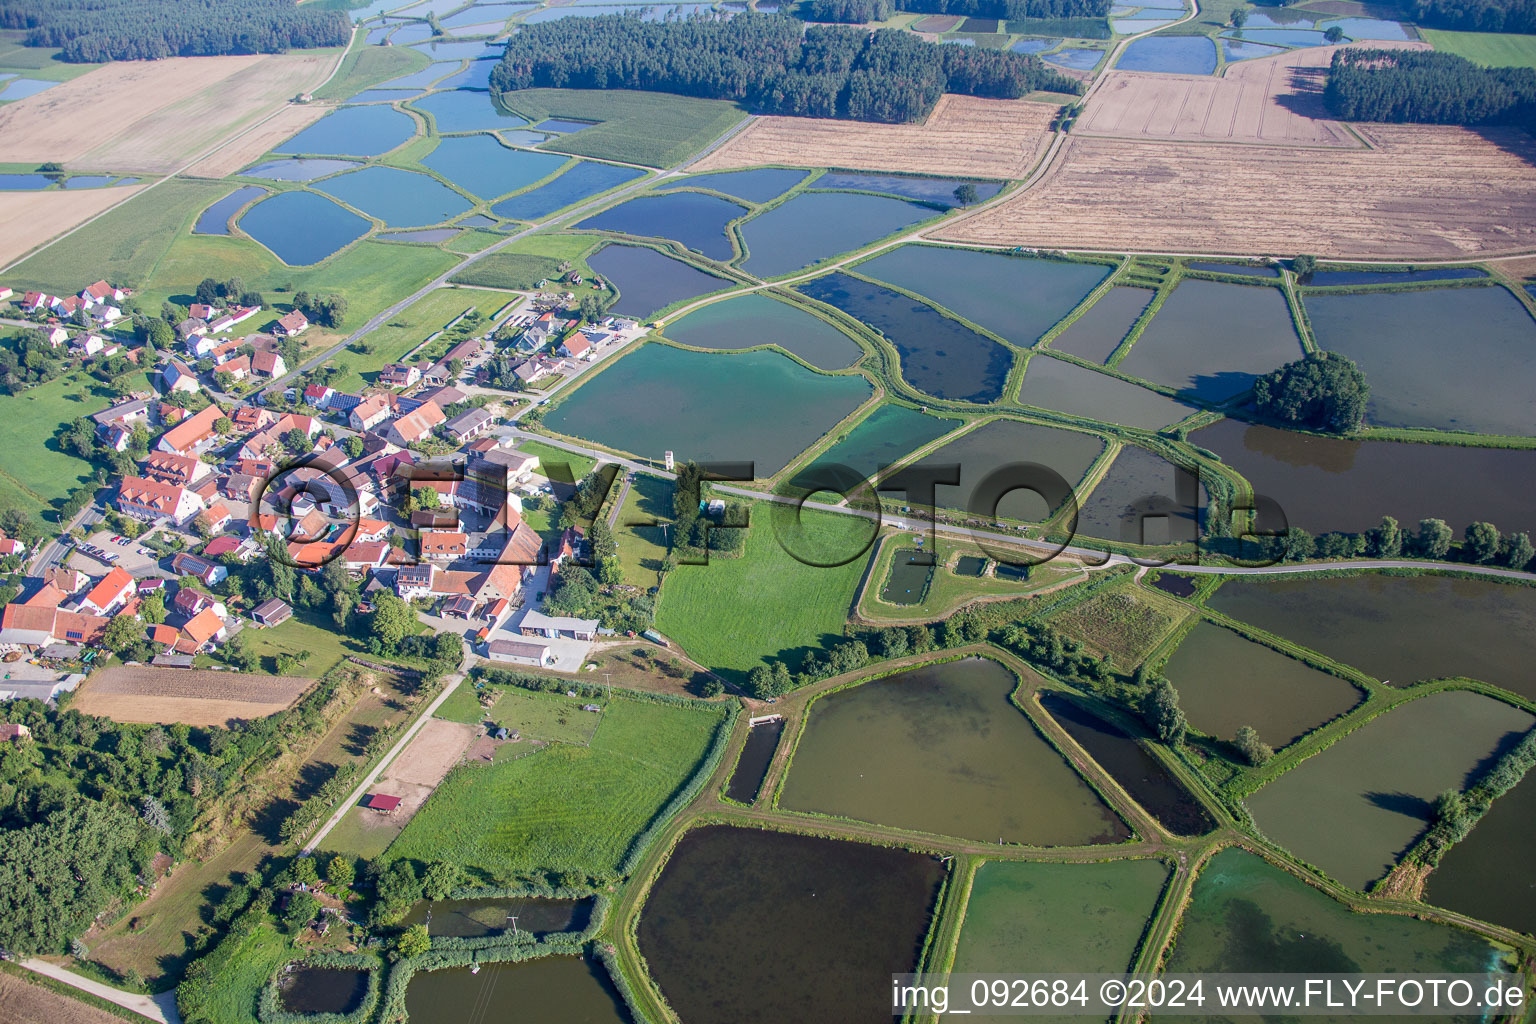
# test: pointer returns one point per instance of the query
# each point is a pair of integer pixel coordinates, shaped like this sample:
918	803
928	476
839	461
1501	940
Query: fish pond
1096	334
452	49
477	76
1355	808
466	110
881	438
1170	583
423	78
481	165
1498	848
1139	773
1212	339
1280	36
1394	336
943	749
813	226
752	766
1377	623
298	169
759	406
940	356
478	919
1226	681
1335	278
907	582
928	190
569	989
1078	391
1178	55
1078	60
648	281
747	321
1325	483
1057	917
1233	50
1002	443
1241	269
582	181
1246	915
1018	298
215	219
400	199
302	227
696	220
1142	499
429	236
971	566
755	186
322	989
353	131
839	918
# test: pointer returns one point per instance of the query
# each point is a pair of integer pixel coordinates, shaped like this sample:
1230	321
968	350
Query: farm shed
272	613
381	803
517	652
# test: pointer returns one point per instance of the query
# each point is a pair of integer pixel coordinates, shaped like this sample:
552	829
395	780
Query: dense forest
1428	87
859	11
102	30
768	62
1477	15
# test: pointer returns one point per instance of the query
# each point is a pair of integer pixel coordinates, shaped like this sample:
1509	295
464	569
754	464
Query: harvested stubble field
151	116
28	219
22	1002
1420	192
1272	101
246	149
964	135
194	696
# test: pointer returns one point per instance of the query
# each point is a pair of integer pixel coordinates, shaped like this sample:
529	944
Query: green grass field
1490	49
367	66
408	329
462	705
948	591
648	128
306	631
580	465
734	613
1125	623
642	548
527	261
564	808
473	241
547	716
234	987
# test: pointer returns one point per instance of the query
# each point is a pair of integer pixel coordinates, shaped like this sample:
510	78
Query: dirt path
160	1008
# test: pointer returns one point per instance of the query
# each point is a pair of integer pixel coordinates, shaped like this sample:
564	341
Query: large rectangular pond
1212	339
696	220
1325	483
302	227
549	988
401	199
1489	873
1018	298
1178	55
814	927
942	749
750	406
353	131
940	356
747	321
1078	391
481	165
582	181
647	280
1482	630
815	225
1355	808
928	190
1226	681
1103	326
1452	358
1004	443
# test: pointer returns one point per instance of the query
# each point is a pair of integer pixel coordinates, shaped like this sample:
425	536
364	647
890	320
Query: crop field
28	219
23	1001
250	146
734	613
1490	49
1273	100
564	808
652	129
1125	623
136	115
964	135
193	696
1422	191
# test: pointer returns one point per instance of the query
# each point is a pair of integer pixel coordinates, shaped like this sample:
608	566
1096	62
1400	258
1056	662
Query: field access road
160	1007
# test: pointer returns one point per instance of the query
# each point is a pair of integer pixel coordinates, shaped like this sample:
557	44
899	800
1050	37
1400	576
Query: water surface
302	227
568	989
322	989
696	220
482	918
881	438
1142	499
302	169
749	320
582	181
1003	443
813	226
647	280
928	190
481	165
1498	848
1103	326
398	198
752	766
466	110
1078	391
353	131
755	186
215	219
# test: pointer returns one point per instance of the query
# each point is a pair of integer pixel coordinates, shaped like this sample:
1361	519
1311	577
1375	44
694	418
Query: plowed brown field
196	697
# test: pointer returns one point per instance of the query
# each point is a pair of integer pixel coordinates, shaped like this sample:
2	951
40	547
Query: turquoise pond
882	438
481	165
583	181
755	186
302	169
647	281
400	199
215	219
466	110
301	227
750	320
939	356
1178	55
696	220
813	226
353	131
1078	60
928	190
1078	391
1211	339
1018	298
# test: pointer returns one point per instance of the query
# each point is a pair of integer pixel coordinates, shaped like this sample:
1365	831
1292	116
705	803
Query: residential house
257	445
361	555
170	468
201	631
318	395
239	367
290	324
209	573
125	414
530	370
192	434
87	345
33	302
11	546
268	364
370	412
444	545
153	500
221	546
101	292
442	396
469	425
12	732
398	375
415	581
217	517
200	345
111	594
577	346
414	427
36	625
202	311
178	376
56	336
237	314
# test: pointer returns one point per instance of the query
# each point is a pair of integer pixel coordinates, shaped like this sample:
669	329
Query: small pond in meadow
907	581
1103	326
353	131
215	219
1002	443
582	181
938	355
971	566
752	766
815	225
399	198
759	406
572	990
696	220
481	165
1355	808
929	190
647	280
749	320
301	227
301	169
943	749
1169	583
322	989
755	186
1078	391
1018	298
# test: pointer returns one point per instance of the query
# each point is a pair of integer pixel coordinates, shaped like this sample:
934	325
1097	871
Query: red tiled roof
110	588
184	435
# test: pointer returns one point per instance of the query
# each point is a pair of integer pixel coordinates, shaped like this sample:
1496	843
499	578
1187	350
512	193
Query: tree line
89	31
770	62
1477	15
1428	87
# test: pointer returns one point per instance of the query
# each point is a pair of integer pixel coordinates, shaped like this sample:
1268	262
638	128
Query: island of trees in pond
770	62
1322	391
1428	87
1477	15
859	11
88	31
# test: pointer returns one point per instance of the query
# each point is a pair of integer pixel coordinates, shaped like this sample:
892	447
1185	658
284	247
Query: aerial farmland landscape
750	511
